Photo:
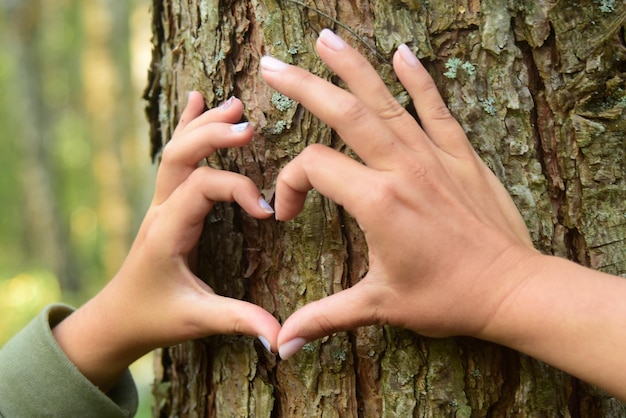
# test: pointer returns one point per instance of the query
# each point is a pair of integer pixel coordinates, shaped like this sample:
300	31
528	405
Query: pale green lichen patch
489	106
453	65
281	102
606	6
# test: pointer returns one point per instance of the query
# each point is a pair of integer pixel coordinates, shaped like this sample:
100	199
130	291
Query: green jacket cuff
38	380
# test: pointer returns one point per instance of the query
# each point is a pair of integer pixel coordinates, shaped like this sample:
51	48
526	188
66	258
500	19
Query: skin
449	252
155	300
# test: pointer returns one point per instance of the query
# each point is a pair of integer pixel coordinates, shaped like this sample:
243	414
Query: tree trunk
539	88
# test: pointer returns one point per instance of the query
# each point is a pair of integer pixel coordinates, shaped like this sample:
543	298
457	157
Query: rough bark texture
538	87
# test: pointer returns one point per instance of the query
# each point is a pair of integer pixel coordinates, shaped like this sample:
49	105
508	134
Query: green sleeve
38	380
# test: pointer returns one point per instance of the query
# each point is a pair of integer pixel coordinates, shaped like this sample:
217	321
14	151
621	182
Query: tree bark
539	88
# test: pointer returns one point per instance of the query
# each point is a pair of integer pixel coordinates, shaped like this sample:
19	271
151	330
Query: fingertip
195	100
266	344
270	64
265	207
286	211
250	199
407	56
233	108
289	348
330	40
193	108
257	322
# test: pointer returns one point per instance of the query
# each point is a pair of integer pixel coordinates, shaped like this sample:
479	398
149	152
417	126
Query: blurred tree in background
74	155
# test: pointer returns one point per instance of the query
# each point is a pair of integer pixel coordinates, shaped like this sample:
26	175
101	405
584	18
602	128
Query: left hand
155	300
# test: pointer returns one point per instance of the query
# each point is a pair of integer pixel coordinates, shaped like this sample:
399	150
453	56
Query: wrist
512	284
94	340
568	316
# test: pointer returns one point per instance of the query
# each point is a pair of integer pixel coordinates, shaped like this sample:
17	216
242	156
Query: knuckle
325	323
236	326
390	109
309	157
197	180
169	153
440	113
437	109
352	110
416	172
197	176
375	303
313	153
383	195
302	80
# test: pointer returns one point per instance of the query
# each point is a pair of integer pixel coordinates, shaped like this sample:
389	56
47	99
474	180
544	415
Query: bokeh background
75	171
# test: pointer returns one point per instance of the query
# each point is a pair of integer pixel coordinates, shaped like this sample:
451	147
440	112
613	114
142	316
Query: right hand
443	233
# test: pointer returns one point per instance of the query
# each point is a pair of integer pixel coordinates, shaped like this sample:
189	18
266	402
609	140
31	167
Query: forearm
570	317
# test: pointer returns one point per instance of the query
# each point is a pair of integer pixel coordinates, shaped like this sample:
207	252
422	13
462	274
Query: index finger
354	121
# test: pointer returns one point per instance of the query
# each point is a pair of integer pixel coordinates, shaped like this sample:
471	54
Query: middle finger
365	83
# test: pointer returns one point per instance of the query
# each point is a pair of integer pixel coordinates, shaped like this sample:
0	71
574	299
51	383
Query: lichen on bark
539	88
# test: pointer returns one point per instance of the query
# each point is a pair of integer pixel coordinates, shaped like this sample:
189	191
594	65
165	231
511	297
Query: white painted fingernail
272	64
407	56
226	104
240	127
291	347
265	206
265	343
331	40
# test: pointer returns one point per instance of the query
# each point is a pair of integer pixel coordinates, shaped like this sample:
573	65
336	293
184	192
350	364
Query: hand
155	300
441	229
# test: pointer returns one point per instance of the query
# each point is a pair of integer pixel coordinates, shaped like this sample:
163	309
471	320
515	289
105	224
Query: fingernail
291	347
272	64
265	206
407	56
240	127
226	104
265	343
331	40
189	93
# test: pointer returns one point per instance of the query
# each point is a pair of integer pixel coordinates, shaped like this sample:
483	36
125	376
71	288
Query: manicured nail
331	40
189	93
265	206
240	127
265	343
291	347
272	64
226	104
407	56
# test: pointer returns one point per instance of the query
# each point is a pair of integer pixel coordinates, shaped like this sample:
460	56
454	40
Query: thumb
342	311
224	315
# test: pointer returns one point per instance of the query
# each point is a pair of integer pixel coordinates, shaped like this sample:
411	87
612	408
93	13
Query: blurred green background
76	175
